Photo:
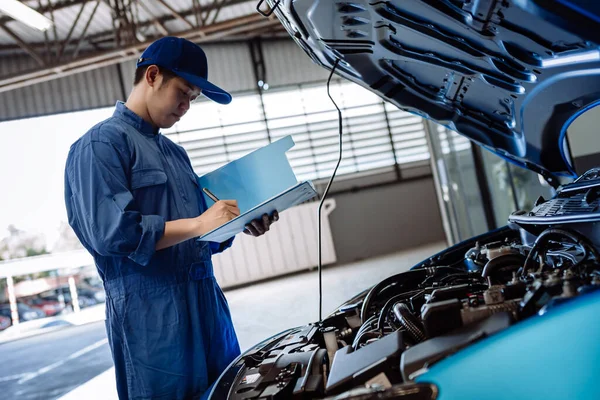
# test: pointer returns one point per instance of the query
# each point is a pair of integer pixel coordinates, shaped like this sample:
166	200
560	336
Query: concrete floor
264	309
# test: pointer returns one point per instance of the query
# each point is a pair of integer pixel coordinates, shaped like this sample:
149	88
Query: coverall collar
125	114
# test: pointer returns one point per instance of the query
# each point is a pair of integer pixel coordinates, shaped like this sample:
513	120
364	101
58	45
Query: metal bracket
268	13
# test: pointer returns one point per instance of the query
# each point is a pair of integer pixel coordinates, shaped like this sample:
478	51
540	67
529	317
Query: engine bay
377	344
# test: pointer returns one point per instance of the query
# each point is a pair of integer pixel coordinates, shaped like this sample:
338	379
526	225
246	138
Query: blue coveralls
168	323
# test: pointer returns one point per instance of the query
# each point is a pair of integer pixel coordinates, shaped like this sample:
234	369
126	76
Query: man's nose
184	106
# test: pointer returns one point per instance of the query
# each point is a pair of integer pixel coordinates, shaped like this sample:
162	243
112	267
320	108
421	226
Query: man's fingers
275	216
251	229
231	206
257	223
234	210
266	222
247	232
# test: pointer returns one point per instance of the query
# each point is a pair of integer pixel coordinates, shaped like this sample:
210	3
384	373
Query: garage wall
386	219
92	89
287	64
230	67
376	214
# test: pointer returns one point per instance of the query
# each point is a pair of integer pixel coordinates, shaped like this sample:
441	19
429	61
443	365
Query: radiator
290	246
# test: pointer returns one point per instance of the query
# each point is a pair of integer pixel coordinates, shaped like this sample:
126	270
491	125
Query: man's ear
151	75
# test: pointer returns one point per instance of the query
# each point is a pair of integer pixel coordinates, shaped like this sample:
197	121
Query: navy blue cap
186	60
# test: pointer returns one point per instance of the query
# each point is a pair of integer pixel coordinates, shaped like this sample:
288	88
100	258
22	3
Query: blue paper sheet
261	182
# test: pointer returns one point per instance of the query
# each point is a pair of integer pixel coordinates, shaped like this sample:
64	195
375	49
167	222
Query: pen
209	194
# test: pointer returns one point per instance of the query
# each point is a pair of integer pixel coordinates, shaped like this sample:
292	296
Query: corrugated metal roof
103	19
63	20
229	67
237	11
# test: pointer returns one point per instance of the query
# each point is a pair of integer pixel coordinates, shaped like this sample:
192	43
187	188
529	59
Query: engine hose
409	322
388	305
574	236
413	277
500	262
570	256
405	281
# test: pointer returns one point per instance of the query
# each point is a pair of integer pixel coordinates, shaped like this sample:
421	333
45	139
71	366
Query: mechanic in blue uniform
133	200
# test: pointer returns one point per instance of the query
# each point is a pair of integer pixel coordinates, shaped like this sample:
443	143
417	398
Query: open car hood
510	75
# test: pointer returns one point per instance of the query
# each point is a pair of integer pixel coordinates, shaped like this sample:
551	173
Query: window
376	134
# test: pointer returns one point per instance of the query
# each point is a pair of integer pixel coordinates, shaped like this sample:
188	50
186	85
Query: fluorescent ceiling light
26	15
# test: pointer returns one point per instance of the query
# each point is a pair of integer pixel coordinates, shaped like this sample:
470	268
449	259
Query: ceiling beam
140	25
159	25
78	46
232	27
64	46
28	49
176	14
59	5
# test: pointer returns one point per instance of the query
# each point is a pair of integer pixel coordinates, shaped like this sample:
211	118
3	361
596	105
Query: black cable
327	190
366	327
370	334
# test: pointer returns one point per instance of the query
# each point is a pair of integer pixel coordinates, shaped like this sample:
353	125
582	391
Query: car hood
510	75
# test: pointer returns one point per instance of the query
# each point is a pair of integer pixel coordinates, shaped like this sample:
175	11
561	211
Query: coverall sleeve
104	207
216	248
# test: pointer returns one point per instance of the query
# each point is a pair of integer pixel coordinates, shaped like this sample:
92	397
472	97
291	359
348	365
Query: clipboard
262	181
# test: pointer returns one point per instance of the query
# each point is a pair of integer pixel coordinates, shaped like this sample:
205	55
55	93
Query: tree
35	252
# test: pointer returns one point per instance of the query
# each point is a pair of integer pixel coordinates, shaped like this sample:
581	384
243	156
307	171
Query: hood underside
509	75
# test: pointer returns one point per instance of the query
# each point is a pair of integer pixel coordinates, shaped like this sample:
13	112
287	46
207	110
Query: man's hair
141	71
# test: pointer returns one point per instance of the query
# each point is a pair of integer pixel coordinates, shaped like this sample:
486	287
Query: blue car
513	313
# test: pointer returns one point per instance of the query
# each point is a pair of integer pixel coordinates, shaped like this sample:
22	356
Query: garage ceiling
89	34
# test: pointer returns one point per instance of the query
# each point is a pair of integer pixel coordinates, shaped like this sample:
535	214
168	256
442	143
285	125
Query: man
133	200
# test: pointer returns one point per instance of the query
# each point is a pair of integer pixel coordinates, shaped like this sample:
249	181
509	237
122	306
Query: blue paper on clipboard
262	181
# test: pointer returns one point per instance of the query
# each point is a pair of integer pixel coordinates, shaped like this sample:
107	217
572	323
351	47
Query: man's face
170	100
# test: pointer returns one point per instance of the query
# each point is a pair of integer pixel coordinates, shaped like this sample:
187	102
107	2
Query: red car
49	306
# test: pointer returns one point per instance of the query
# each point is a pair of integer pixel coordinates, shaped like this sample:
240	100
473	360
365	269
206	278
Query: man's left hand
260	226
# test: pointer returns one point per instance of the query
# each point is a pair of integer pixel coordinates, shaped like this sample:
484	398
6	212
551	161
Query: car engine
378	343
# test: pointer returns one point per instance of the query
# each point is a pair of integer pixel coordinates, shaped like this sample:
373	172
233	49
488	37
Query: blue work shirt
168	322
123	181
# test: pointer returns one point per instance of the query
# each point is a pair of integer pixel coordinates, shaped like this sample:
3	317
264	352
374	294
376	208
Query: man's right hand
218	214
187	228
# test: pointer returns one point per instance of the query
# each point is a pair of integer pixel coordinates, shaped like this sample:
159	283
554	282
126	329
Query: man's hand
218	214
186	228
259	226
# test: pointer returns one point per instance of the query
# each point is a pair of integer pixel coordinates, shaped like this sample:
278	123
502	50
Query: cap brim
209	90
